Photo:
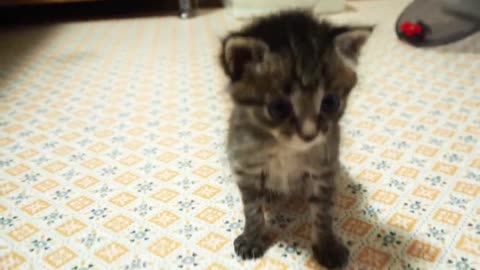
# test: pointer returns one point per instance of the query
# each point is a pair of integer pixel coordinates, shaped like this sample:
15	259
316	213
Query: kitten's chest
286	172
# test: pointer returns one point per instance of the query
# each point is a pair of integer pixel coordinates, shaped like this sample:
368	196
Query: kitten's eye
279	110
330	104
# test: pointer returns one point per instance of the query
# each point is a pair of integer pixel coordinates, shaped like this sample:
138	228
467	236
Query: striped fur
283	135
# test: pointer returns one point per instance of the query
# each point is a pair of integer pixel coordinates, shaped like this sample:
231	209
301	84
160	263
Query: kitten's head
293	74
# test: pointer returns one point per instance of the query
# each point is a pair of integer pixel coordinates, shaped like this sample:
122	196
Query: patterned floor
112	153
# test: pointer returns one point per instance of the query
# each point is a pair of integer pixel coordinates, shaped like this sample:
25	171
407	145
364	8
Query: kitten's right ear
239	52
349	41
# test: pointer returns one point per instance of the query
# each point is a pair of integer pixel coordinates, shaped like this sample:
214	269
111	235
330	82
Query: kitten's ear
350	40
238	52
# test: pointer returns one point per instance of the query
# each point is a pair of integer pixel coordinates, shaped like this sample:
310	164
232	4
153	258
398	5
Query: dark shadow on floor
372	244
17	45
92	10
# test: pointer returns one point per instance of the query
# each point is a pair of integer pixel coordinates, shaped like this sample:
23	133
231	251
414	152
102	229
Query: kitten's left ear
240	52
349	41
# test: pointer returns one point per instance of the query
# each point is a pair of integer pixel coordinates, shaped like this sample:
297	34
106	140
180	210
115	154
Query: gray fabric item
443	27
470	9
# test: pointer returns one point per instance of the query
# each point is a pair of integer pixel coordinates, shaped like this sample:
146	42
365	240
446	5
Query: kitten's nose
308	130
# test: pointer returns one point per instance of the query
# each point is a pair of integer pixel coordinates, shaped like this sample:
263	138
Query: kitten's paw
249	248
332	254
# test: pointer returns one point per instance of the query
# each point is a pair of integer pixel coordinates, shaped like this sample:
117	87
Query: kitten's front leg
250	244
327	249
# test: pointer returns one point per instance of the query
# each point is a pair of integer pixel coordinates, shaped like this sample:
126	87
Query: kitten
290	76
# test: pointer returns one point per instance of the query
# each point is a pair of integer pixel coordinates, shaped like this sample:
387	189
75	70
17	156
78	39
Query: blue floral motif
136	264
62	194
186	183
41	244
398	184
104	190
436	181
145	187
187	260
371	211
186	148
119	139
233	226
290	249
401	144
414	207
475	227
85	142
70	174
356	188
115	153
184	134
89	129
436	141
438	234
382	165
153	124
184	164
458	202
91	239
186	205
49	145
229	200
140	234
461	264
6	163
367	148
7	221
473	176
19	198
451	125
469	139
389	239
77	157
419	128
355	133
418	162
83	267
453	158
31	178
148	168
109	170
389	131
41	160
152	136
188	230
143	209
98	213
15	148
150	151
53	217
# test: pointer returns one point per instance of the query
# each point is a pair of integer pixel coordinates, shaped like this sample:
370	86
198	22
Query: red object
411	29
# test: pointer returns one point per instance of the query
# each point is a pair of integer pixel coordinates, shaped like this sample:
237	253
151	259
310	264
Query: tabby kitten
290	76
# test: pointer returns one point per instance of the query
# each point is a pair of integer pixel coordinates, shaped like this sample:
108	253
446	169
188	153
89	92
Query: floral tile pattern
112	153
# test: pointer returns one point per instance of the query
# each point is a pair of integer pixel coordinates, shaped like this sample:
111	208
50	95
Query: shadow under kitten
355	222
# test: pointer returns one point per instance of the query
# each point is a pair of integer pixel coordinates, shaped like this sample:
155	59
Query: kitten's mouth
300	144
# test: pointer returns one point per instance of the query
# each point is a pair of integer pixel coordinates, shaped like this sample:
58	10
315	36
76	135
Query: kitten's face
294	84
297	110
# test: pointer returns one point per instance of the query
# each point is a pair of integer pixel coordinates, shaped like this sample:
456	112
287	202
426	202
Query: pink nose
307	130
